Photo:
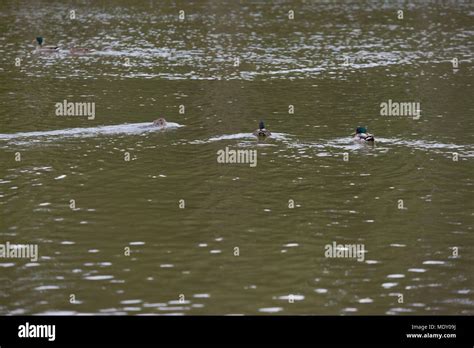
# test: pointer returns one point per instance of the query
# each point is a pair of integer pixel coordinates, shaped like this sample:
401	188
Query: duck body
47	49
362	136
262	132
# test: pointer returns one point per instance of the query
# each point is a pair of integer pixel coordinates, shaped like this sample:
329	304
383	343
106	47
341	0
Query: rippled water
336	62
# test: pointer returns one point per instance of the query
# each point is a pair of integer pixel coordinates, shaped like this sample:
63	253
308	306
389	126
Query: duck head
161	122
261	125
360	130
39	40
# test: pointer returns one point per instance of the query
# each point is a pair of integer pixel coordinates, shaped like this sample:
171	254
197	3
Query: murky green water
145	64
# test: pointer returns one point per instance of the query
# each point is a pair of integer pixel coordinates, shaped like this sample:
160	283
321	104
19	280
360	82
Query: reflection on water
172	231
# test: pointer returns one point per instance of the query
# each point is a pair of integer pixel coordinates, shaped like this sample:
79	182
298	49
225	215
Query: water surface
336	62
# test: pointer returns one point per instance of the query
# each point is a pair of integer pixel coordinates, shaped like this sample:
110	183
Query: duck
160	122
41	48
361	135
262	132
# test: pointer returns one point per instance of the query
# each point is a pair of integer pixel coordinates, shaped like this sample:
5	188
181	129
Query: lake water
171	230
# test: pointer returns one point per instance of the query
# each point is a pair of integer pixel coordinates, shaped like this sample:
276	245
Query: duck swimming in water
41	48
261	132
160	122
361	135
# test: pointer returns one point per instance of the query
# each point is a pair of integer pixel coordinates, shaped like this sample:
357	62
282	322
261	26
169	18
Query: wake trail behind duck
345	143
277	136
131	128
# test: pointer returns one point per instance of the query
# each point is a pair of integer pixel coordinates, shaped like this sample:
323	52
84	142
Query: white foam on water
423	144
347	143
131	128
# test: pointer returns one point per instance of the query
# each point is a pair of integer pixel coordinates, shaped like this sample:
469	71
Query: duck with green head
361	135
42	48
262	132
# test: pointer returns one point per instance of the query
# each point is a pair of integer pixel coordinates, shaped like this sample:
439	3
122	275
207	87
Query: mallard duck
361	135
261	131
41	48
160	122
